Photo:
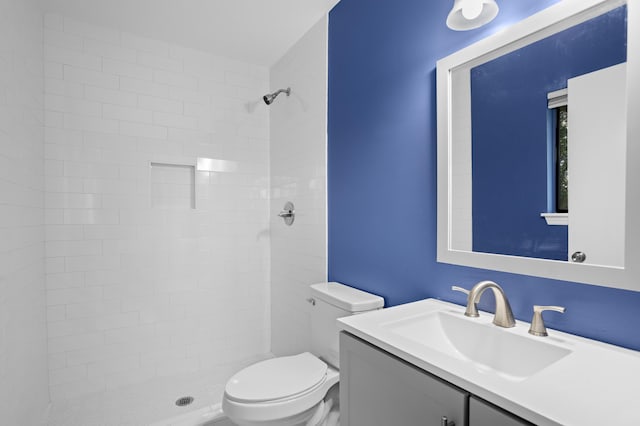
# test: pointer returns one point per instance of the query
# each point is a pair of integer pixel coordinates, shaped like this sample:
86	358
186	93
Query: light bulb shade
470	14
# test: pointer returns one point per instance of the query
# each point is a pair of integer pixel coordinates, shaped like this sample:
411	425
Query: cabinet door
482	413
378	389
597	172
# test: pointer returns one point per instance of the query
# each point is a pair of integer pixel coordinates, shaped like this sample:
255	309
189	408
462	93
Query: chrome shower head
269	98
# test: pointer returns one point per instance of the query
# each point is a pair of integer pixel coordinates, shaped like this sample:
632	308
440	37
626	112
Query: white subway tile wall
298	174
23	342
138	289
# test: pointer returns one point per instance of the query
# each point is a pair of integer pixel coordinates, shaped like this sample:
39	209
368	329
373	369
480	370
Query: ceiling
255	31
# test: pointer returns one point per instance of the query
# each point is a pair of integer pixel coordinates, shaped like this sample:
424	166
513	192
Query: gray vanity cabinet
378	389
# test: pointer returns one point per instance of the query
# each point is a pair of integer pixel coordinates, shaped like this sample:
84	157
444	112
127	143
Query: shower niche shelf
172	186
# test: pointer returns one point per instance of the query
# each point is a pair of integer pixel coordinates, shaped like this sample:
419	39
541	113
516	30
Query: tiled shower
141	185
149	258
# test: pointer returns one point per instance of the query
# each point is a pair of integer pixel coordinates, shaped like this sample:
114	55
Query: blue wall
509	114
382	169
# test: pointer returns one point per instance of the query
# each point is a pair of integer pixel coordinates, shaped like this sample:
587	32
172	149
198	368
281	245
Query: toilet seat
277	378
278	391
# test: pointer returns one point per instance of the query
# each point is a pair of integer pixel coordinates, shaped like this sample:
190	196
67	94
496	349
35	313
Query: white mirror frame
560	16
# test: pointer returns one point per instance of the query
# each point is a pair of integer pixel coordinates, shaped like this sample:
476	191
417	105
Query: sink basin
488	348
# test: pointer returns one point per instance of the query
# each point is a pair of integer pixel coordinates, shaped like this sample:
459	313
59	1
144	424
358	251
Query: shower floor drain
185	400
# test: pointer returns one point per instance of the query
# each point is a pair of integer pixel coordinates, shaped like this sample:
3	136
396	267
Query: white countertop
596	384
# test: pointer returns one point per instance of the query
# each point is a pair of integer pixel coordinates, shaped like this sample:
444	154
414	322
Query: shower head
269	98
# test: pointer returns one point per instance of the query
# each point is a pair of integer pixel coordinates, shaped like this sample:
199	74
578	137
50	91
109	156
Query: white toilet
293	390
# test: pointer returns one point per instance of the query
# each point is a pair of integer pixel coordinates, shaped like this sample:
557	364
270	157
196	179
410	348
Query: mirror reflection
548	125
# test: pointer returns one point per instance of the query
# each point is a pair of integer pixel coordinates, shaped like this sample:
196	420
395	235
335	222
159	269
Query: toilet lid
276	378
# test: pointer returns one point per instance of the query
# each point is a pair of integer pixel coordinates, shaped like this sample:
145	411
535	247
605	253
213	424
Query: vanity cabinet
379	389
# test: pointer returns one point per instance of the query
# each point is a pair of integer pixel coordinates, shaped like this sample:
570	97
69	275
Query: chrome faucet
503	316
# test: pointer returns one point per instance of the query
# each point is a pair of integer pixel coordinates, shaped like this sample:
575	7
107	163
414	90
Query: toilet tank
332	301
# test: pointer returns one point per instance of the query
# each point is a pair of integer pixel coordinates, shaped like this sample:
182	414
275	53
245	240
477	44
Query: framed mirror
537	147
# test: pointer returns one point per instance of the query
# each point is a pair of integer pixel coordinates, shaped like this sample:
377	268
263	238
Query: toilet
298	389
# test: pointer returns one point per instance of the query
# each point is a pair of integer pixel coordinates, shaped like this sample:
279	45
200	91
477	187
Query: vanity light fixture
470	14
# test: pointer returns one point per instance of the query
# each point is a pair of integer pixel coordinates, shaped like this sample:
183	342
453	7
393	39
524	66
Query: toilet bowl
281	391
295	390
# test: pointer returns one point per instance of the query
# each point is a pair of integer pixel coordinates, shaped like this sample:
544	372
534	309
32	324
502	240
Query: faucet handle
460	289
537	323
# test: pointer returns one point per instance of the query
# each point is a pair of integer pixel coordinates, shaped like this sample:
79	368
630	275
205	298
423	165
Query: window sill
556	218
